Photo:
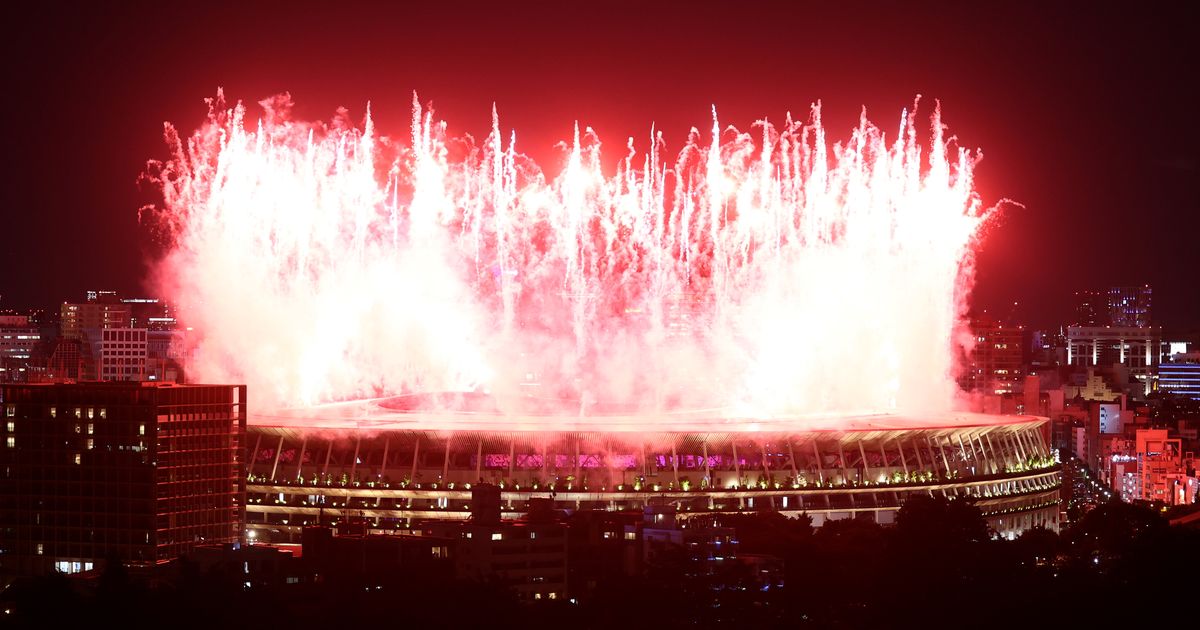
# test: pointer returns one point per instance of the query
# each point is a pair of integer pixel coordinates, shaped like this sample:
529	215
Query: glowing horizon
764	273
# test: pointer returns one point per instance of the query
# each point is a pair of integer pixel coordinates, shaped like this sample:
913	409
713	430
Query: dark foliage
937	567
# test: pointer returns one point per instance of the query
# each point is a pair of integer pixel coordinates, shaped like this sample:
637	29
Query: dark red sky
1085	115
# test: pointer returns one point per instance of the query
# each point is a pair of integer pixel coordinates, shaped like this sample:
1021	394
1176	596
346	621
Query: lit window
91	444
12	442
103	413
532	535
11	411
91	412
12	426
630	535
39	549
91	428
78	429
54	412
497	536
77	459
79	412
142	429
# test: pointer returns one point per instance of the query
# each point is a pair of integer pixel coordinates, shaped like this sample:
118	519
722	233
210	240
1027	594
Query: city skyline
1098	209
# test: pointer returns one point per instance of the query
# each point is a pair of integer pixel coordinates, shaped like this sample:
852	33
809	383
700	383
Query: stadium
392	462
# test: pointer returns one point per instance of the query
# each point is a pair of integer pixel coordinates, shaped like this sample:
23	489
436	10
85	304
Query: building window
40	549
103	413
91	444
12	426
79	412
54	412
77	459
142	429
10	411
12	442
497	536
91	428
630	535
91	412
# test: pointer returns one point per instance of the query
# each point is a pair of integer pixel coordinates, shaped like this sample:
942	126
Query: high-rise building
1137	349
136	471
1129	307
123	354
19	340
101	310
995	362
1122	307
1091	308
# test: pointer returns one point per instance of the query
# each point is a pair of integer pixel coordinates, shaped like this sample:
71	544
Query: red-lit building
994	364
136	471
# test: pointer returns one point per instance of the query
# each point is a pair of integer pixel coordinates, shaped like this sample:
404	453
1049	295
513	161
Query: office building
1129	307
136	471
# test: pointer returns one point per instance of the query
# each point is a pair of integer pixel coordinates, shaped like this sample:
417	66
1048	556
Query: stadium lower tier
394	478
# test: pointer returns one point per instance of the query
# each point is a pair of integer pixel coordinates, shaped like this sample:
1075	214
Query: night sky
1085	115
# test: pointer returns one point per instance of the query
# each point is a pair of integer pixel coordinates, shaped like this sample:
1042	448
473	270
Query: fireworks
762	273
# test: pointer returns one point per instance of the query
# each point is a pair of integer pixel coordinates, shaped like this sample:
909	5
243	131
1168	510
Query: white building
1138	349
123	353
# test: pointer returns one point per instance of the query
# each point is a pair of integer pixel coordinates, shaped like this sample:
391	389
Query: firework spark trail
767	277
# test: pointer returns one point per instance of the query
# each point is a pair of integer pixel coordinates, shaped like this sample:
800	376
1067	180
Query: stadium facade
392	465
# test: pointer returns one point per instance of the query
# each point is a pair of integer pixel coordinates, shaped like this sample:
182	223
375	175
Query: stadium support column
328	455
512	458
479	460
917	451
674	464
963	449
412	477
737	469
767	471
645	464
845	477
737	464
383	464
945	460
354	460
708	480
300	460
446	460
275	464
987	460
795	472
933	461
997	463
254	455
820	464
1016	438
903	459
792	461
866	469
887	469
821	471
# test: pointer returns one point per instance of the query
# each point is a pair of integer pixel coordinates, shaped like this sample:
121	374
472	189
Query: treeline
937	567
